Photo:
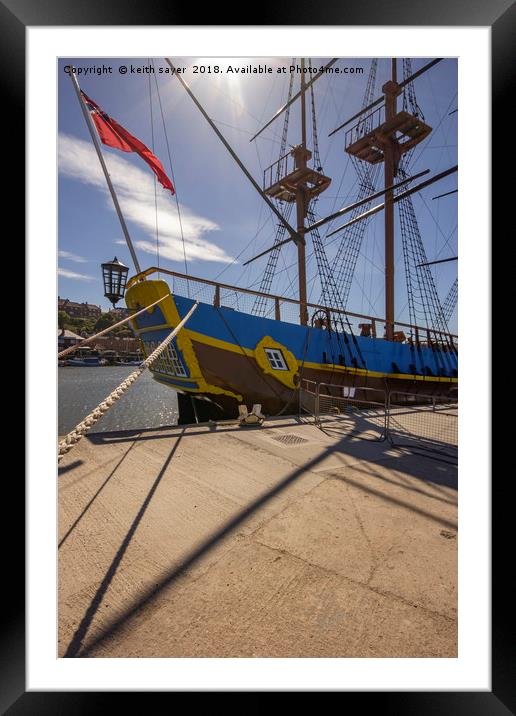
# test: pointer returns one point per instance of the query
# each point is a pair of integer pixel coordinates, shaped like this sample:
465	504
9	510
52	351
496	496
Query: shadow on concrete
446	478
78	637
423	466
76	648
66	468
212	428
374	428
397	501
108	478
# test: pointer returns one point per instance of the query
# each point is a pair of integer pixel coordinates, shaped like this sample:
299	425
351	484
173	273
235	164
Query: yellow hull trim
146	292
223	345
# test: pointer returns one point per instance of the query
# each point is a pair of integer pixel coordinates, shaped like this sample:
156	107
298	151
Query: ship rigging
243	345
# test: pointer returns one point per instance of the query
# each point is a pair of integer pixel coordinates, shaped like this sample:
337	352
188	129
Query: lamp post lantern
114	274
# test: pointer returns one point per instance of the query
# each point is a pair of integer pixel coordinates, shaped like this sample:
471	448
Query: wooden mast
299	185
301	207
391	90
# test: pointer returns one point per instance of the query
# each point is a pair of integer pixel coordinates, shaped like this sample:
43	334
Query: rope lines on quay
73	437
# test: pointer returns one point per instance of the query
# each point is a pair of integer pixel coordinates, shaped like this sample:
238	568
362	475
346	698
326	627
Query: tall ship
248	346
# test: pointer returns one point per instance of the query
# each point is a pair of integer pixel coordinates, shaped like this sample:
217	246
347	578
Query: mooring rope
73	348
82	428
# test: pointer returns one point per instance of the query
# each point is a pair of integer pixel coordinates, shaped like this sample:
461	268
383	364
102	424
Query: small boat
84	357
108	357
130	359
84	362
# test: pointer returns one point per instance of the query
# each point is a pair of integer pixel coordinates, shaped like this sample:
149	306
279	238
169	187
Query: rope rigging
424	306
330	295
336	278
155	183
409	101
451	300
352	238
172	172
261	304
330	292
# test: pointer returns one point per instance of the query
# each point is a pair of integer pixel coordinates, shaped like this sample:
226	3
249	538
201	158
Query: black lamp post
114	275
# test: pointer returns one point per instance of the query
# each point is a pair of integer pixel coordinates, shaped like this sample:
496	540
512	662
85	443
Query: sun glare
227	75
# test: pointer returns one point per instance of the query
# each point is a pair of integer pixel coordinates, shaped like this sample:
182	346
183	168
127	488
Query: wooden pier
277	541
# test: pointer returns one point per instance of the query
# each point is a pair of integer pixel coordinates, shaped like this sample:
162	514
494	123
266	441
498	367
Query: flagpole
96	144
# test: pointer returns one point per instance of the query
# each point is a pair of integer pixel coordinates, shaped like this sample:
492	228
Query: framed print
257	265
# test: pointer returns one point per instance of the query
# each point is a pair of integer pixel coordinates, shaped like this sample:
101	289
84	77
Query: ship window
276	359
168	362
176	362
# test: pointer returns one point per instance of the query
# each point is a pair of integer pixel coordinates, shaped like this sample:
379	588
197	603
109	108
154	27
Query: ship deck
283	540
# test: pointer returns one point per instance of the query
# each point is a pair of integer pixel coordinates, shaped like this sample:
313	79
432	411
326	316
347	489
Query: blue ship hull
231	357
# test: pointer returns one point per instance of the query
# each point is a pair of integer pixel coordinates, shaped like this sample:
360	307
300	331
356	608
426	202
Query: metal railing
407	420
423	421
359	411
364	126
279	169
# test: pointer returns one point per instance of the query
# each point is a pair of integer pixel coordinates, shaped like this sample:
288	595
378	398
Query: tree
81	325
105	320
62	319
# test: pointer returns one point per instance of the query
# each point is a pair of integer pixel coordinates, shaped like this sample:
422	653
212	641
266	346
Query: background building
78	310
120	313
66	338
117	343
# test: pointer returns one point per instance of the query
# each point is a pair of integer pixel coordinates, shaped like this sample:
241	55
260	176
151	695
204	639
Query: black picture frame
15	16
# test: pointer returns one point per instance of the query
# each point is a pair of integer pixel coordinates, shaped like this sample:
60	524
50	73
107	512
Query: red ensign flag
114	135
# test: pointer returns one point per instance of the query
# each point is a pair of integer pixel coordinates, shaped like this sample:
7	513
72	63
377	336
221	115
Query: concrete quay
283	540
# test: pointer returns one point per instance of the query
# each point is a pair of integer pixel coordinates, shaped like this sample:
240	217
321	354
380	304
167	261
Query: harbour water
147	403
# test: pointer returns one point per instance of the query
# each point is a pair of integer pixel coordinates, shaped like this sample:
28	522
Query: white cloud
135	191
72	257
72	274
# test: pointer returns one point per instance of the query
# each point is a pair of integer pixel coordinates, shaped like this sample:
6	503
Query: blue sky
222	215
